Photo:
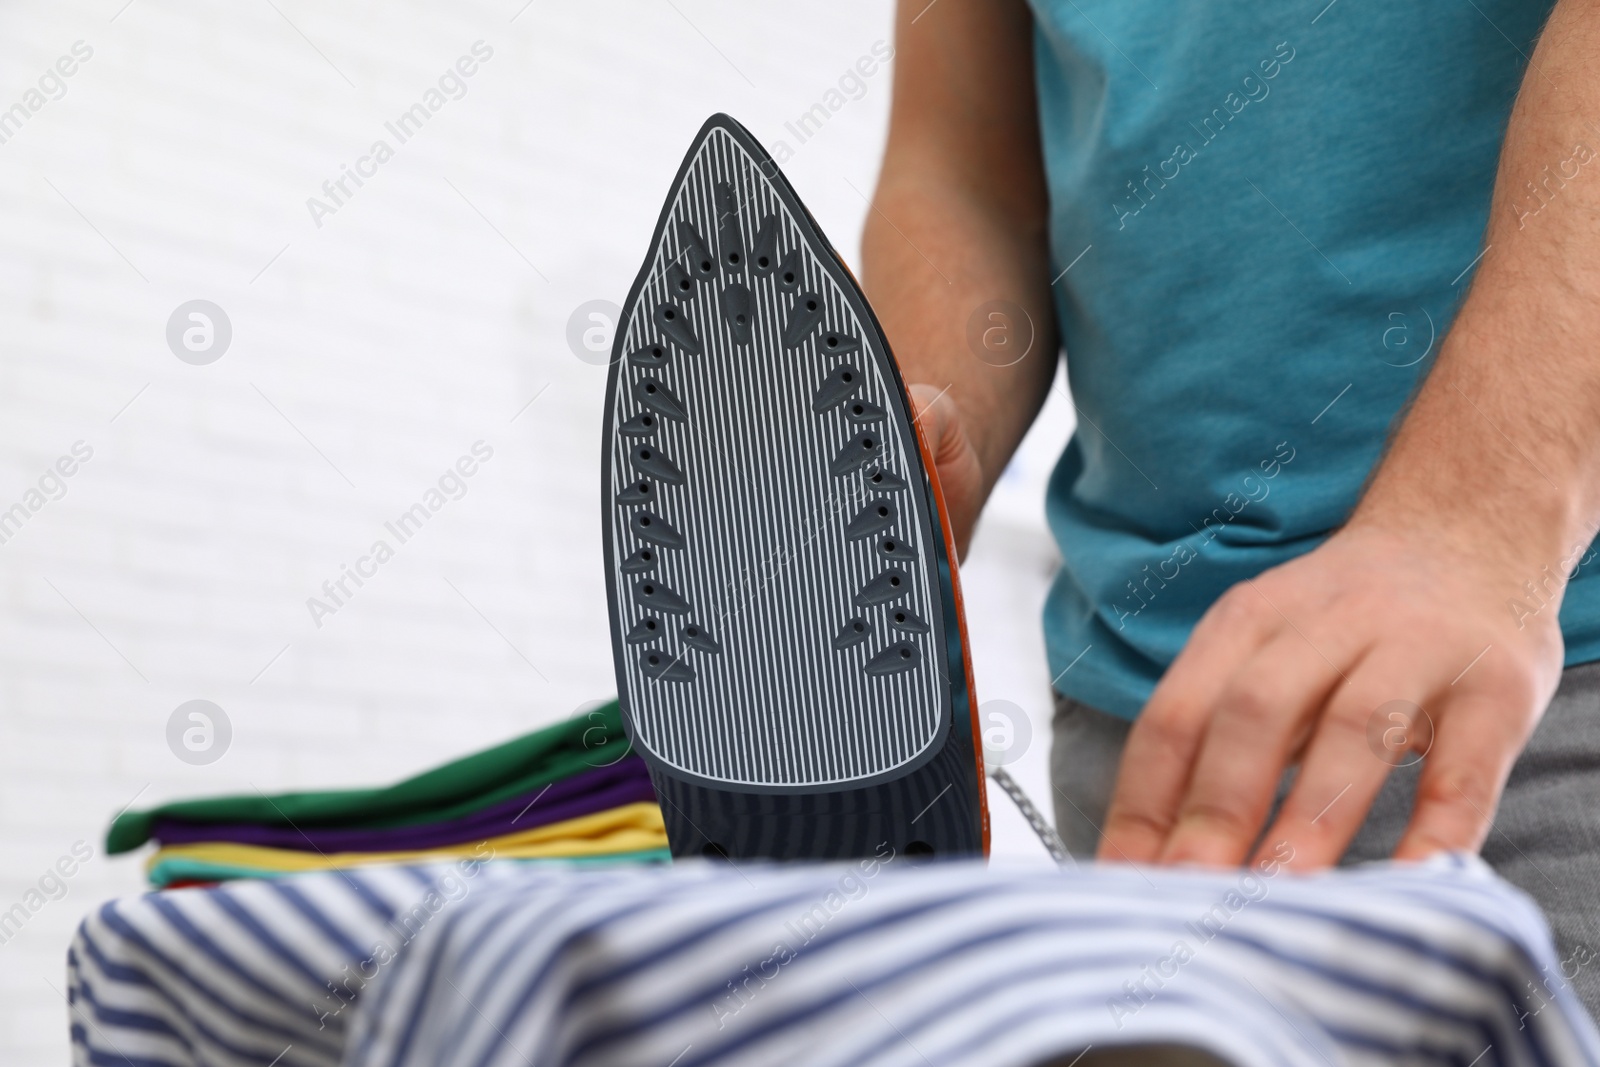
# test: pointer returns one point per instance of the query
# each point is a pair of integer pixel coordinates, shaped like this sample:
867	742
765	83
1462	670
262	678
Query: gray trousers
1546	835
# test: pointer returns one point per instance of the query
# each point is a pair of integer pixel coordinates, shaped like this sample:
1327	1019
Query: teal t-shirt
1266	214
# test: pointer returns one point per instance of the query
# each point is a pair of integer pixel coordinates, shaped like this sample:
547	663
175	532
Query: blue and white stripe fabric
868	963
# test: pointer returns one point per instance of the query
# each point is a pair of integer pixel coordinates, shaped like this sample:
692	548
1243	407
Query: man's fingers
1259	718
1477	738
1365	731
1161	748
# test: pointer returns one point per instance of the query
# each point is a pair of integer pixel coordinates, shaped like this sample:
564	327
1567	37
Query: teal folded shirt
1270	213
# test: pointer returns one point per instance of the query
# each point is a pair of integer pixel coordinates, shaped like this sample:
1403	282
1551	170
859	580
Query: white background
367	355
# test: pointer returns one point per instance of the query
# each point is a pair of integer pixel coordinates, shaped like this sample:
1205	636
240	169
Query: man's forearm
959	219
1500	453
926	305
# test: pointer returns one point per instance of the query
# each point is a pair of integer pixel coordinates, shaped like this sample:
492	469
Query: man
1303	524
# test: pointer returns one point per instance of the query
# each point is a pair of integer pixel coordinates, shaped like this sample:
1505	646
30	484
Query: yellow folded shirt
629	828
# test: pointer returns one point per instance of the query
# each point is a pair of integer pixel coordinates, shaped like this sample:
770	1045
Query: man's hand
960	473
1300	665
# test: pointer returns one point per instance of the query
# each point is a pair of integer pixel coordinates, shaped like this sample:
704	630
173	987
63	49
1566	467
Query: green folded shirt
593	739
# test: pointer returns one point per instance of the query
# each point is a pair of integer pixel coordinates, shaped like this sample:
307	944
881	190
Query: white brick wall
177	166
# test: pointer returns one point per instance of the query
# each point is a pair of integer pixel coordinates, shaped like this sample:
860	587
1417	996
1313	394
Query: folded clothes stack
573	792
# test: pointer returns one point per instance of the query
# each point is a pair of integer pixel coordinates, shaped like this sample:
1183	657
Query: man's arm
958	221
1492	483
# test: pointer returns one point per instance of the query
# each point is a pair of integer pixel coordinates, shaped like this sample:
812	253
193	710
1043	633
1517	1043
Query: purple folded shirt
623	782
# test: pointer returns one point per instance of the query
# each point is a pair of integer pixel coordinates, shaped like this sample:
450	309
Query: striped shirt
875	962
